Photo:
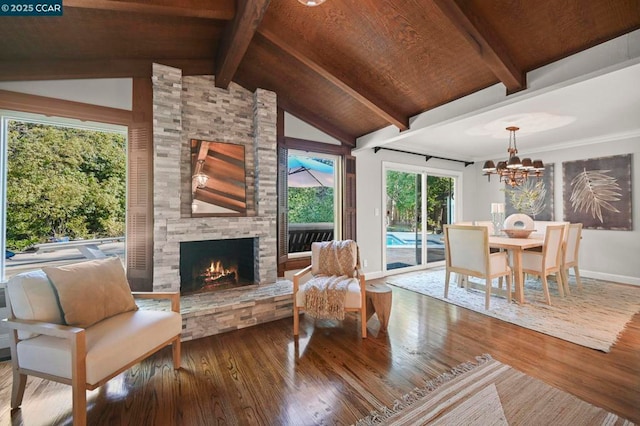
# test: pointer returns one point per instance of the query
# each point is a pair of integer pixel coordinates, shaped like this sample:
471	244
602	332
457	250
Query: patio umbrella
306	172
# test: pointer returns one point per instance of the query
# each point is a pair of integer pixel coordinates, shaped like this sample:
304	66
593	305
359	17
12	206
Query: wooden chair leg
447	275
545	288
564	273
578	280
79	406
363	320
175	346
17	390
509	286
560	283
487	293
296	318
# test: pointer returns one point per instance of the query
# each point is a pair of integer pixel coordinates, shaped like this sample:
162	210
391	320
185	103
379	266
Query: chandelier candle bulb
497	207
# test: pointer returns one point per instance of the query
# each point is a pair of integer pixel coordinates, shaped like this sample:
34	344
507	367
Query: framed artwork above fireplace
218	179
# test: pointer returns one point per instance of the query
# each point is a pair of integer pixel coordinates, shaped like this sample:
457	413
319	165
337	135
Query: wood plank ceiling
347	67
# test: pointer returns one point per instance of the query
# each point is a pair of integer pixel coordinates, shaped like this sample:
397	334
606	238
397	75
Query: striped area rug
490	393
592	317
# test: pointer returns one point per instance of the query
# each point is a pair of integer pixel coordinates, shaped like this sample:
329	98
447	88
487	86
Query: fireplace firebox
216	265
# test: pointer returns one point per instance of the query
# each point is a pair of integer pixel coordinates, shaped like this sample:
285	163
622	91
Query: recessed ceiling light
532	122
311	2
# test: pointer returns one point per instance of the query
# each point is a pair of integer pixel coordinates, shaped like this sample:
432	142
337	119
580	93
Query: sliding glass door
418	203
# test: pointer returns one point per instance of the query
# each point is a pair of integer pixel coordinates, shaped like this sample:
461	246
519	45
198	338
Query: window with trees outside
63	192
313	199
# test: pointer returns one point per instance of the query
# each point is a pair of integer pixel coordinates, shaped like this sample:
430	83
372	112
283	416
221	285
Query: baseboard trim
623	279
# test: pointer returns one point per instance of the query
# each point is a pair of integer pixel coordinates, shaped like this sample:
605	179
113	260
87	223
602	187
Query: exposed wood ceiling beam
484	41
219	9
236	39
349	88
316	121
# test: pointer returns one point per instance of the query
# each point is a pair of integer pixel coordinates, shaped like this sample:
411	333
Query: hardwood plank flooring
261	375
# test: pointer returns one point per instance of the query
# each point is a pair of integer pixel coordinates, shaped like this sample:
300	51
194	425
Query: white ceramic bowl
518	232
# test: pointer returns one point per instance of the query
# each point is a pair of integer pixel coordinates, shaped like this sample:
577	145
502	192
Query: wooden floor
261	375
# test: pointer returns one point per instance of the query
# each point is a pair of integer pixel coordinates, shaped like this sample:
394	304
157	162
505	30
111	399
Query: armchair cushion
33	298
353	297
102	281
111	343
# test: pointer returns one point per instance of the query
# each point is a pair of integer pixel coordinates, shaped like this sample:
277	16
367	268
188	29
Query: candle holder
497	219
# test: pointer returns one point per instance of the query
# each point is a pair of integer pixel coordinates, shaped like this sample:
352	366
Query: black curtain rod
426	156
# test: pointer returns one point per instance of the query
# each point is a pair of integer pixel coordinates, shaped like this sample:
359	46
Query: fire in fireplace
216	265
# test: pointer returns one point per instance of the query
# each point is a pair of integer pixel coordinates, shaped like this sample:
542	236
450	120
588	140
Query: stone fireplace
188	108
216	265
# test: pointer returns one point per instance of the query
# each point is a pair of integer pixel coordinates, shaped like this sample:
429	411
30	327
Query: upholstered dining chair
548	261
467	253
337	284
573	234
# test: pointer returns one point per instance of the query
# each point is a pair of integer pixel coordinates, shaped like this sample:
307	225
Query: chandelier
199	178
311	2
513	171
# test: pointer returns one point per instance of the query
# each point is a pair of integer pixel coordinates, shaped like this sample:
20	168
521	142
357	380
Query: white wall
611	255
108	92
296	128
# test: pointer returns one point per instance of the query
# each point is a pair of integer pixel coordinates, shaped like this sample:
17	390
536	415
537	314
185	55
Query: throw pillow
91	291
32	298
334	257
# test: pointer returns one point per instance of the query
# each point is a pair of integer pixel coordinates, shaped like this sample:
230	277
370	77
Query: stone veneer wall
193	108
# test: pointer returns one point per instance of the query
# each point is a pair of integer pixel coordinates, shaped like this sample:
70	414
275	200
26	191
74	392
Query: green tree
64	182
439	190
402	188
403	203
310	205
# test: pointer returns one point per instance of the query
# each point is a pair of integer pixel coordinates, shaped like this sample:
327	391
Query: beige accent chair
354	280
467	253
573	235
42	345
548	261
541	225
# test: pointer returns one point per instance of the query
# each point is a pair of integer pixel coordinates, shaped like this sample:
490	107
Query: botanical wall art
597	192
533	198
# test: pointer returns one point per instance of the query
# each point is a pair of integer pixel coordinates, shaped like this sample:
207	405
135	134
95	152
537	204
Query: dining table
516	246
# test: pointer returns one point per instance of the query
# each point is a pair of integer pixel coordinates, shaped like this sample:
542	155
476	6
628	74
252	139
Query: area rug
489	393
593	317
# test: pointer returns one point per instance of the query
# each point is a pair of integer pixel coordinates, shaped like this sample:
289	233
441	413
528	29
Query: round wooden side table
379	302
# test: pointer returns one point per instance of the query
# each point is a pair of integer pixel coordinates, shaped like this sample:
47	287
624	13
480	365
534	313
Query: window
313	199
63	191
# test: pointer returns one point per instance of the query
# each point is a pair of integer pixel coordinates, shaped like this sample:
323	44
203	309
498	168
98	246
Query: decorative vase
497	217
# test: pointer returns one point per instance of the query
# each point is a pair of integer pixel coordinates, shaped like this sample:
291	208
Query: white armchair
98	334
467	253
337	284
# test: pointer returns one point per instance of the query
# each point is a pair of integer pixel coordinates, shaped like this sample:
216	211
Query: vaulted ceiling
348	67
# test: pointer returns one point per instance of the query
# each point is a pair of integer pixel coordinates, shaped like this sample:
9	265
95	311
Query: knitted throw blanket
325	296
